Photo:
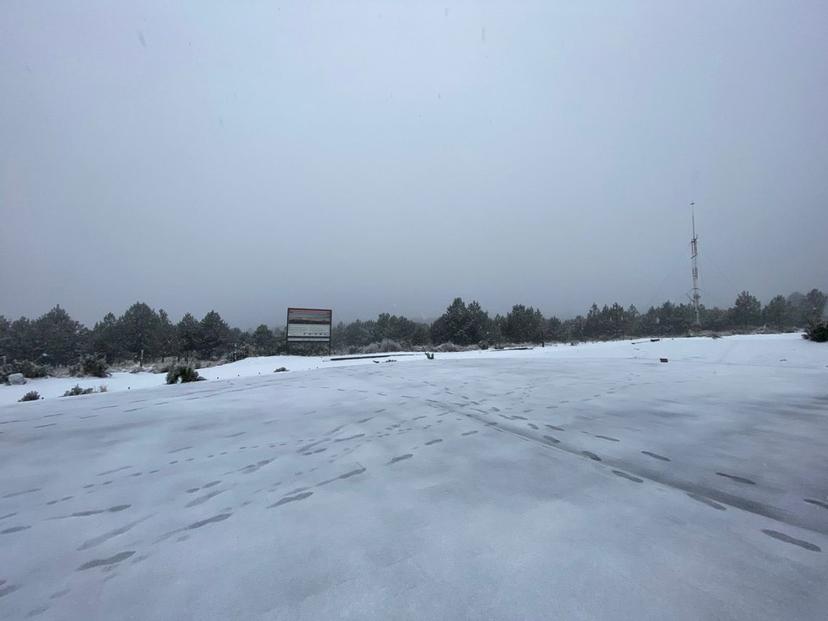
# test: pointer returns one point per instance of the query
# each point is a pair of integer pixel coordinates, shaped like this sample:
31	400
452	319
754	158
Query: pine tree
21	340
5	337
775	312
746	310
264	341
478	324
188	332
215	335
554	330
167	335
139	332
57	338
103	340
814	306
522	324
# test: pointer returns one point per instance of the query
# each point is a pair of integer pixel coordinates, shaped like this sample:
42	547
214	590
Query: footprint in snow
400	458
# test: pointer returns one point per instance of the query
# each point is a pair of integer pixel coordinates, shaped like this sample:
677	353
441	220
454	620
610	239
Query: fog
378	157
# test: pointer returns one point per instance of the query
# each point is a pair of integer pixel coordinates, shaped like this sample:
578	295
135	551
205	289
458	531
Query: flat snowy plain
588	482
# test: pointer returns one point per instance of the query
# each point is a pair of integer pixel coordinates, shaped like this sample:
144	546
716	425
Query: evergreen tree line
464	324
142	333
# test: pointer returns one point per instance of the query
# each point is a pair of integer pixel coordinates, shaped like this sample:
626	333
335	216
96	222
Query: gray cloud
371	157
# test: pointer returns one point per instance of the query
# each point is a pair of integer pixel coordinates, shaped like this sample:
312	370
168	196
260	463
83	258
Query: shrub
385	346
29	369
183	373
280	370
32	395
91	365
241	352
448	347
77	391
817	332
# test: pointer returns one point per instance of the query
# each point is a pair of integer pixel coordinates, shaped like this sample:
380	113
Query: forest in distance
55	339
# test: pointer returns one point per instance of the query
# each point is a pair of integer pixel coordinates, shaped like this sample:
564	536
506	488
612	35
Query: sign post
309	325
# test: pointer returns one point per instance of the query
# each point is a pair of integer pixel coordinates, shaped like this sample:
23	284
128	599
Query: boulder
17	379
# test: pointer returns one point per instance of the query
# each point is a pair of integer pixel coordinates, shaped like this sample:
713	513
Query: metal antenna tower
694	256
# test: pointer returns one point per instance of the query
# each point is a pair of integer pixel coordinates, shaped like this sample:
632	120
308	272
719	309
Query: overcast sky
372	156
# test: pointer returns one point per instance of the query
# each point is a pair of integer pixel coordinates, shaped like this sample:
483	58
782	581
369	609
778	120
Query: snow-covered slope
586	482
753	349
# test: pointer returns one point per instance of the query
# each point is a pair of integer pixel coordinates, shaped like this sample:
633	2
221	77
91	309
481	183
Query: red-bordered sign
309	325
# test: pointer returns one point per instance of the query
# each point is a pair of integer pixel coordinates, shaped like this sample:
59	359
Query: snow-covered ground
774	348
588	482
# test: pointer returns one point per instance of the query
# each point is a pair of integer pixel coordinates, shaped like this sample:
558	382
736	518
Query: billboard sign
309	325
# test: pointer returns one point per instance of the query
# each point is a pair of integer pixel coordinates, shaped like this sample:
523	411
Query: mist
373	157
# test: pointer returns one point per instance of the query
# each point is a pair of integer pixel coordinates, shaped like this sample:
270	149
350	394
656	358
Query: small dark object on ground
429	355
76	391
389	360
183	373
663	360
32	395
654	340
280	370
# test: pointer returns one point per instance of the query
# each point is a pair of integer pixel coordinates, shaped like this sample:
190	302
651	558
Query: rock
17	379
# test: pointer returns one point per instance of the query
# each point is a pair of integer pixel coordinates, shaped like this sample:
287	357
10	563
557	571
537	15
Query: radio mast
694	261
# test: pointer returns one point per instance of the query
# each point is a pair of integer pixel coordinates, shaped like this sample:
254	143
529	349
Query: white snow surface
774	347
587	482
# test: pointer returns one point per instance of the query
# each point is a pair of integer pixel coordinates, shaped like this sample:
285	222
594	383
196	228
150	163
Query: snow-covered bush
32	395
448	347
29	369
183	373
77	391
817	332
384	346
91	366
